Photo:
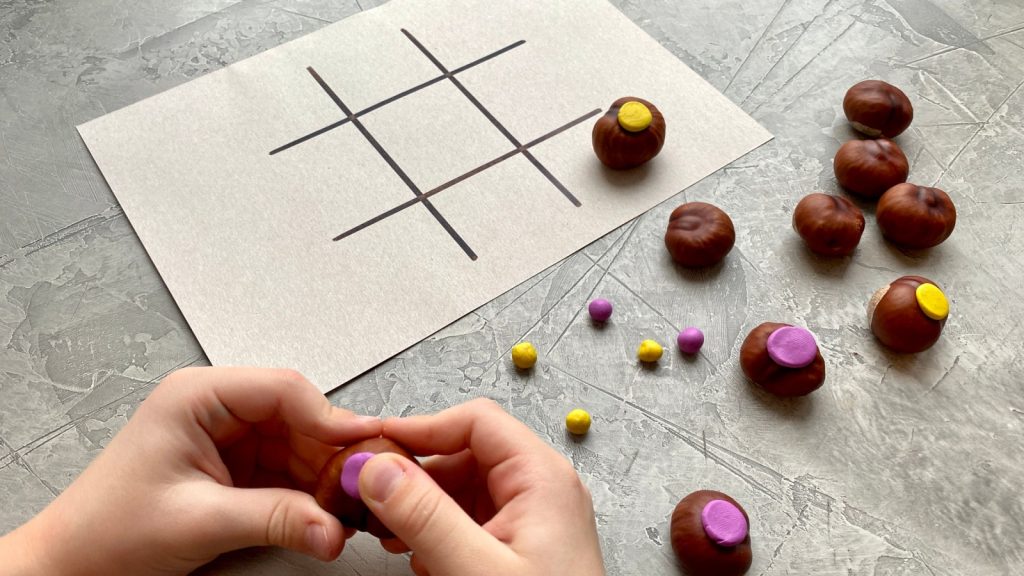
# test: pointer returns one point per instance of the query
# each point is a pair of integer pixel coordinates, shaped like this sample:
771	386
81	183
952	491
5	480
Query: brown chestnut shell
897	320
915	216
352	512
759	367
698	554
699	234
870	167
620	149
877	108
829	225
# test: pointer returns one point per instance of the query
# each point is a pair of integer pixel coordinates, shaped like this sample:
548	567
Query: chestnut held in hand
699	234
830	225
870	167
630	133
782	359
908	314
915	216
337	487
878	108
710	535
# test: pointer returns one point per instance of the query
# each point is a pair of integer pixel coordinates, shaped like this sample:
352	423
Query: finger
416	563
495	439
453	473
421	514
224	396
274	517
394	546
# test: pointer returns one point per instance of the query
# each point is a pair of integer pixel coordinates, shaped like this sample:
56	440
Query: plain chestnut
870	167
352	512
698	554
916	216
759	367
621	149
878	108
829	225
699	234
897	320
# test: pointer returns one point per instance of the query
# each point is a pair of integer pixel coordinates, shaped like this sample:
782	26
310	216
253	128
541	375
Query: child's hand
499	501
214	460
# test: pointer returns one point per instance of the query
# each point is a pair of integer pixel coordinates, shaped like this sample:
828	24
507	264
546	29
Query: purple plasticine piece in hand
792	347
724	523
350	472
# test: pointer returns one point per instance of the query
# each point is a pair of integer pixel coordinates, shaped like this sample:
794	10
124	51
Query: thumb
408	501
278	517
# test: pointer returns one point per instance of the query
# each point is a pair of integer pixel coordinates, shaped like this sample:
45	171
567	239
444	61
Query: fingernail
384	478
316	540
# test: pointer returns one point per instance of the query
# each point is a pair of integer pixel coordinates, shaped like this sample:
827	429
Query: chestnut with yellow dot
634	116
932	301
524	355
649	351
577	422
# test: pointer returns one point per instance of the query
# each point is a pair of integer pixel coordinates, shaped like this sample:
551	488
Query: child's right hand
496	499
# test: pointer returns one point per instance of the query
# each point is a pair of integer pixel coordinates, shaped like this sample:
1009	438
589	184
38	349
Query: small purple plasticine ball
600	310
690	340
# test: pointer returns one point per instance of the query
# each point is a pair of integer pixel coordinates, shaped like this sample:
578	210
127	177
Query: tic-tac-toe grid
419	196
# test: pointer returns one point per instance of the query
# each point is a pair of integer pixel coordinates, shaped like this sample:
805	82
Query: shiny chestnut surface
699	234
916	216
876	108
829	225
620	149
758	366
870	167
698	554
897	320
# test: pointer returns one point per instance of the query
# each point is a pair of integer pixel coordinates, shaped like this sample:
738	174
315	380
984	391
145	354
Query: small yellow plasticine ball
649	351
524	355
578	422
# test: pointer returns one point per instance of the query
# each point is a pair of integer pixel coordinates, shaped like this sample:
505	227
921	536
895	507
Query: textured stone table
900	465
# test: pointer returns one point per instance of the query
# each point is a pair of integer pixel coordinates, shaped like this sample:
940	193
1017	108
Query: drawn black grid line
421	197
398	96
394	165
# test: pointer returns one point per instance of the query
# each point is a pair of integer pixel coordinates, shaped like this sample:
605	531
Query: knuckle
422	513
485	405
291	377
277	524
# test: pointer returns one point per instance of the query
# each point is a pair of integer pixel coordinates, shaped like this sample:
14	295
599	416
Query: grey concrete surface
899	466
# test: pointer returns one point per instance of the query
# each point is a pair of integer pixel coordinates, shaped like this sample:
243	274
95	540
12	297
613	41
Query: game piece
524	355
915	216
334	489
829	225
877	108
870	167
790	364
908	315
629	134
600	310
690	340
699	235
649	351
578	422
710	535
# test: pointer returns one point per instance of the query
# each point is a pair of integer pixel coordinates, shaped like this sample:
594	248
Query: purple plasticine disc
350	472
690	340
600	310
724	523
792	347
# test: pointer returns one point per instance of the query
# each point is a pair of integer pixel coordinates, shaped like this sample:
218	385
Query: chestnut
829	225
870	167
710	535
915	216
908	314
878	108
699	234
332	496
630	133
783	359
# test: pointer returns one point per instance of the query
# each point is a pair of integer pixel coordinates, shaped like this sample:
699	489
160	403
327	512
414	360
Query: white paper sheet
245	238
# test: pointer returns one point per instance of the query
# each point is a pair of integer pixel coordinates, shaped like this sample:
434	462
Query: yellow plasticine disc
649	351
634	116
932	301
578	422
524	355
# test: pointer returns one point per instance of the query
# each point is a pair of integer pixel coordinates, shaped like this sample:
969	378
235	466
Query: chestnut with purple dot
350	472
724	523
792	347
